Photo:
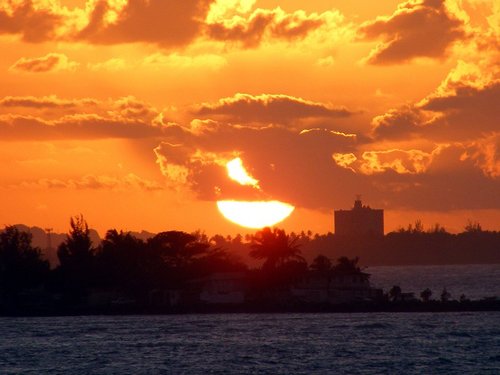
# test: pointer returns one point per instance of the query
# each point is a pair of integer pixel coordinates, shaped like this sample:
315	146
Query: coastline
252	308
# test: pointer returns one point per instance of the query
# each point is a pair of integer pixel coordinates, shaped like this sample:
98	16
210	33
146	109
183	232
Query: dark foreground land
175	272
359	307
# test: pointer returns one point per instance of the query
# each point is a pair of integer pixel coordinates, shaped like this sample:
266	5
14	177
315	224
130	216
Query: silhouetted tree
426	295
445	295
21	265
321	264
120	259
76	257
473	227
437	228
347	266
76	252
275	247
395	293
177	249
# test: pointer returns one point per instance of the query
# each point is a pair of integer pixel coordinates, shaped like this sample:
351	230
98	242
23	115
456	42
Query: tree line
168	260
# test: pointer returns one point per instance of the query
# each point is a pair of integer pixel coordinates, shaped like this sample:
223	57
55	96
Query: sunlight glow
255	214
237	172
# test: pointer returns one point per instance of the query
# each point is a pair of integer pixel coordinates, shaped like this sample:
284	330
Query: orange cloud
44	102
463	107
126	182
268	108
77	126
273	24
51	62
325	167
400	161
485	153
34	22
164	22
418	28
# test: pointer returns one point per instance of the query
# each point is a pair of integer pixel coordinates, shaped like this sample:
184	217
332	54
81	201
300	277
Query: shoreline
384	307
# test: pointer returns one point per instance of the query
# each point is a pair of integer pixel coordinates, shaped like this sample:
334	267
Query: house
223	288
335	288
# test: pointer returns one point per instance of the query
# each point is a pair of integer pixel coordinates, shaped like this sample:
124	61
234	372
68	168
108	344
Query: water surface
372	343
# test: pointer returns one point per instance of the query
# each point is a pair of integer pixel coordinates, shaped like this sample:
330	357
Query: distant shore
248	308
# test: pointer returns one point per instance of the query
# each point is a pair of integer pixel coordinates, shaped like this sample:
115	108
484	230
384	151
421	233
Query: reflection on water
405	343
476	281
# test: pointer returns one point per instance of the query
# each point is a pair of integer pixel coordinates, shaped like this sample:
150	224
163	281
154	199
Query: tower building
359	221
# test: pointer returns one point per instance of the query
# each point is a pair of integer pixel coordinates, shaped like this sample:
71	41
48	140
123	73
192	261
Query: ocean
357	343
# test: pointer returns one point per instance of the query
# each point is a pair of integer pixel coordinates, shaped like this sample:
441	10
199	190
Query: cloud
175	60
398	123
54	111
400	161
264	24
35	21
44	102
86	118
276	156
167	23
126	182
78	126
268	108
52	62
464	107
111	65
418	28
320	169
485	153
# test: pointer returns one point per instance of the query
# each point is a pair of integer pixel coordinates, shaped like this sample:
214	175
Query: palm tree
347	266
395	293
275	247
177	249
426	295
321	264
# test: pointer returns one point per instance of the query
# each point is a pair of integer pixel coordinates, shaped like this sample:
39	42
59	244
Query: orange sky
123	110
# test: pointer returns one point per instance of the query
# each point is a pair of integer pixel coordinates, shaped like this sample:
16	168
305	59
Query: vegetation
271	260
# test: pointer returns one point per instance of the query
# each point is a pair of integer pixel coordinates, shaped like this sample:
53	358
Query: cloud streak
52	62
418	28
269	108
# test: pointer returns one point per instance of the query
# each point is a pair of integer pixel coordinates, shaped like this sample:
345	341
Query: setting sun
255	214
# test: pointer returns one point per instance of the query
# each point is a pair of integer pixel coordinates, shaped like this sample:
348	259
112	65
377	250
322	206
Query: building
335	288
223	288
359	221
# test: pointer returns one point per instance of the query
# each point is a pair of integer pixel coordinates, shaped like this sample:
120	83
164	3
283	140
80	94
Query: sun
255	215
251	214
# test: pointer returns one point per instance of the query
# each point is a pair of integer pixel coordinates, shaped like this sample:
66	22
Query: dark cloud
44	102
77	126
33	24
298	167
267	108
400	123
416	29
164	22
275	24
465	113
287	162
